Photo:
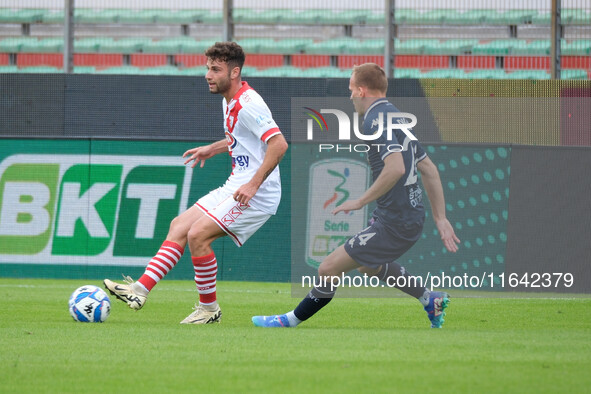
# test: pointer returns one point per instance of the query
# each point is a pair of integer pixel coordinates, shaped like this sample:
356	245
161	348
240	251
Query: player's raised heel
125	293
271	321
438	301
203	316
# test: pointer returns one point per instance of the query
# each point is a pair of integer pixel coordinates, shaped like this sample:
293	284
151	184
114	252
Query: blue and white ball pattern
89	304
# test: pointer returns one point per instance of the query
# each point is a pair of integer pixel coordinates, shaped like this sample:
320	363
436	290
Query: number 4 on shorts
363	238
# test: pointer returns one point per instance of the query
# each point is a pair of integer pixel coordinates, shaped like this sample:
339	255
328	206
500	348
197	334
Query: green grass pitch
354	345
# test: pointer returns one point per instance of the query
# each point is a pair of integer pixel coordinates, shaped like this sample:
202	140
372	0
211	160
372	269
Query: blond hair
371	76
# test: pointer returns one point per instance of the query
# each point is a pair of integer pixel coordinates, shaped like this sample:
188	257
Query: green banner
102	208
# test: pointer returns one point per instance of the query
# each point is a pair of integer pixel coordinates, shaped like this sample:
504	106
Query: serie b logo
331	183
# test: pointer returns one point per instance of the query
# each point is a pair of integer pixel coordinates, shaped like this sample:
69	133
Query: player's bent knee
196	234
175	223
204	232
177	228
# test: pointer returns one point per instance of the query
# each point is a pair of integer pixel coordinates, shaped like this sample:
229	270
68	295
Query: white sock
425	298
210	306
139	288
293	320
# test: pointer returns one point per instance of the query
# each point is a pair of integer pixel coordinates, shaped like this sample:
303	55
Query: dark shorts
377	245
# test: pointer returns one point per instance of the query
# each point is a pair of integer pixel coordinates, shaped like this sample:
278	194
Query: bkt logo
394	120
72	209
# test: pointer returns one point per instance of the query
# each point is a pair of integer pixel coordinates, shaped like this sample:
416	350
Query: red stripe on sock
155	271
174	245
201	264
169	265
207	298
203	259
173	248
147	281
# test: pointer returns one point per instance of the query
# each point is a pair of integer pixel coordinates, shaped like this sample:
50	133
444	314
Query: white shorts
237	220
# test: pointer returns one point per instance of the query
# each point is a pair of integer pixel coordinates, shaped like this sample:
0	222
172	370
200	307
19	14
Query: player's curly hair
228	52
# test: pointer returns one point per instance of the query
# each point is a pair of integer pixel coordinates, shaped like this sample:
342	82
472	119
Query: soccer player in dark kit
397	222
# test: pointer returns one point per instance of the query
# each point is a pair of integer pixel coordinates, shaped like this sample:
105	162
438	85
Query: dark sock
411	286
316	299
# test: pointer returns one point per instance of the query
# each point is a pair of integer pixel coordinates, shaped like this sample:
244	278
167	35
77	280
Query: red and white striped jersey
248	125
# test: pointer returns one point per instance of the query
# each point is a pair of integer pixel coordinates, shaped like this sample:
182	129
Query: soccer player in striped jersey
237	209
397	221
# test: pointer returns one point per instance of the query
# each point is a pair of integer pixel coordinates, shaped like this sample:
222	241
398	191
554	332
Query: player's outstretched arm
432	183
201	153
276	148
393	170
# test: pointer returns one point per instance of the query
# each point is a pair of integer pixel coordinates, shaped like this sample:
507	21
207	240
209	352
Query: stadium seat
8	69
541	18
432	17
305	17
125	45
330	47
91	44
509	17
53	17
528	74
408	16
499	47
566	15
248	71
573	74
445	74
344	17
181	17
194	71
576	16
576	47
86	15
450	47
123	70
160	70
407	73
487	74
148	60
170	46
285	46
253	45
39	70
329	16
365	47
414	47
46	45
144	16
197	47
26	15
258	16
84	70
285	72
469	17
162	16
14	44
327	72
210	17
375	18
538	47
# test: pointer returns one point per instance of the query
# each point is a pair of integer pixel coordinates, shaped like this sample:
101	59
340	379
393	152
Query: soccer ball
89	304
